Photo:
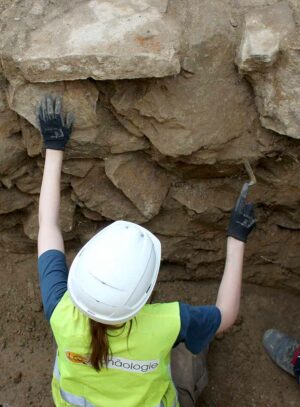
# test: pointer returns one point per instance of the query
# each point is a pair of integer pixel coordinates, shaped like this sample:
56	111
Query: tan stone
31	181
107	137
67	211
85	229
270	36
206	196
279	183
141	180
264	31
115	136
92	215
31	223
12	199
98	194
85	144
79	97
181	116
12	154
32	139
9	122
12	151
98	39
78	168
207	248
175	222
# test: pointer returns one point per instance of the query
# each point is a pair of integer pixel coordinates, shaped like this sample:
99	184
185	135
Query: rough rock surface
163	120
143	182
13	199
98	194
100	40
269	57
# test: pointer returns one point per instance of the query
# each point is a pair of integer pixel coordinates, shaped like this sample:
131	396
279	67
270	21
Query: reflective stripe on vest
69	397
77	400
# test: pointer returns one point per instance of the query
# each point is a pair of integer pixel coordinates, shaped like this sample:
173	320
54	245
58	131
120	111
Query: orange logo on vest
77	358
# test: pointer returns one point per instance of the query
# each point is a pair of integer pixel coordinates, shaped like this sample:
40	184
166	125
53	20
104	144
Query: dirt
240	373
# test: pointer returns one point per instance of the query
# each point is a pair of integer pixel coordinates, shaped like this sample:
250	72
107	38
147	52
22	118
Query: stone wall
169	97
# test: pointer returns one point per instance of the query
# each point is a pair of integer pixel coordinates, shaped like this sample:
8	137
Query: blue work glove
242	219
55	129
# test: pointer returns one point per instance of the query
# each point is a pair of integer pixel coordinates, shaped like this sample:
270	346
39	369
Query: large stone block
98	39
269	57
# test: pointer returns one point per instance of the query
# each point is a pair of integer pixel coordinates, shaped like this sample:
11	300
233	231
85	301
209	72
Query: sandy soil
241	375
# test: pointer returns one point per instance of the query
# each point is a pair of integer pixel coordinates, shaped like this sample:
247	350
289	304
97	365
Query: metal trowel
245	187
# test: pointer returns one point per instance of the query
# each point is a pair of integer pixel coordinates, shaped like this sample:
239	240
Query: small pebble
18	377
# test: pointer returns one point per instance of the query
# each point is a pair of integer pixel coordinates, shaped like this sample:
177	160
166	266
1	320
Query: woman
112	348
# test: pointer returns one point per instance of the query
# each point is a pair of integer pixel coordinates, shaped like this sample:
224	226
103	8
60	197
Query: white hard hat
113	275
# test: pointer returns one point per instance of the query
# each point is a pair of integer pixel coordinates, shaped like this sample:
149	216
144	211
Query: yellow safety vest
138	373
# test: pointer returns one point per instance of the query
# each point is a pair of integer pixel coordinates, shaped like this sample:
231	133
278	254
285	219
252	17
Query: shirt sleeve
53	274
198	326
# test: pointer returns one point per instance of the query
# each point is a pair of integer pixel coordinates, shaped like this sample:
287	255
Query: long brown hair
99	342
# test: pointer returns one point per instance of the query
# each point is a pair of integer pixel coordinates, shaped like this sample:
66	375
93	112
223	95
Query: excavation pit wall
164	152
179	95
110	173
